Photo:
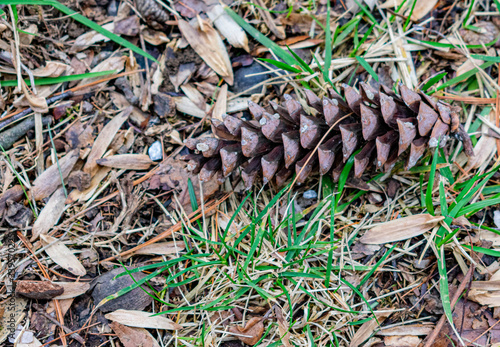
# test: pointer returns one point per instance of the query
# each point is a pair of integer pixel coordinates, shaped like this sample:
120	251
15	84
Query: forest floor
106	237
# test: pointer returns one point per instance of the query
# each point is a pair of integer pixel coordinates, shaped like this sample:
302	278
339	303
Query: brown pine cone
385	126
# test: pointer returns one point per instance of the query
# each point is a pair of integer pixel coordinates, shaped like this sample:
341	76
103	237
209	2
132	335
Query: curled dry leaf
62	255
141	319
126	161
132	337
104	139
251	333
51	69
46	183
205	40
400	229
38	104
233	33
72	289
49	215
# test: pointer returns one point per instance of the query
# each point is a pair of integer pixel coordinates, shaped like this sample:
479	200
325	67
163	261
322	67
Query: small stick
10	136
67	330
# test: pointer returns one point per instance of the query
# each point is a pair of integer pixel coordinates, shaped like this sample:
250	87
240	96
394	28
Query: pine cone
385	126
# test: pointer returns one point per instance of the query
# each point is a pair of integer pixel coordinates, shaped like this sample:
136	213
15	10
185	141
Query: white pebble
155	151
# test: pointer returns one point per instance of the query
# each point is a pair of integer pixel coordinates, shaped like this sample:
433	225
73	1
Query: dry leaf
89	38
269	20
251	333
51	69
38	290
86	194
47	183
184	105
154	37
141	319
127	161
72	289
366	330
112	63
162	248
233	33
37	103
468	65
422	8
408	329
62	255
133	337
26	39
398	341
104	139
220	106
400	229
205	40
483	150
195	96
49	215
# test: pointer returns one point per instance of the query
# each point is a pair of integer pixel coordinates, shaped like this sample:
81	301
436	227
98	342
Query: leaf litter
108	239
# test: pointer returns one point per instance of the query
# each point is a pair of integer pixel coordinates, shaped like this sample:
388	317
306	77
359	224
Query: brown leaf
104	139
50	180
251	333
400	229
133	337
142	319
38	290
205	40
51	69
220	106
128	26
366	330
62	255
233	33
283	327
38	104
49	215
12	194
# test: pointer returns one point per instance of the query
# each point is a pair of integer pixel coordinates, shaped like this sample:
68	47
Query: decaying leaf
251	333
87	193
126	161
184	105
141	319
400	229
422	8
62	255
104	140
205	40
50	180
283	327
133	337
49	215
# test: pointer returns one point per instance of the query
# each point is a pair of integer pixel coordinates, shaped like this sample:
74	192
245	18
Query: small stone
112	8
164	105
87	107
155	151
310	194
496	218
243	79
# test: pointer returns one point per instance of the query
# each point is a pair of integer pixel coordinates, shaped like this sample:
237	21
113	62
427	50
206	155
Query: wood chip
38	290
400	229
62	255
126	161
141	319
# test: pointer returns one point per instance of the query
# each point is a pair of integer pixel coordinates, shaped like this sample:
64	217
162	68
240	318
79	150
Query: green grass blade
60	79
367	67
281	65
464	76
430	183
409	16
433	81
280	52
